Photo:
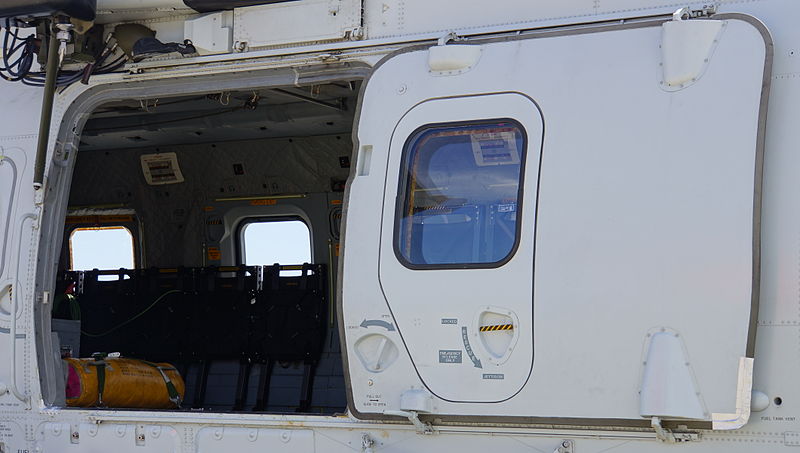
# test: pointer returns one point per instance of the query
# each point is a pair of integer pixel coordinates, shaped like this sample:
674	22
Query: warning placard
449	356
495	148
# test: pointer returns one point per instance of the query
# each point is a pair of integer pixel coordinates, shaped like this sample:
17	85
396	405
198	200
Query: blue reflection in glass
460	189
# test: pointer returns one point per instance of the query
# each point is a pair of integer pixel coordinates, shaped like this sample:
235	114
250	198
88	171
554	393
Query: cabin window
461	188
269	241
107	247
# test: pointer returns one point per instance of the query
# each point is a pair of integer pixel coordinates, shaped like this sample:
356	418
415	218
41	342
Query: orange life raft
117	382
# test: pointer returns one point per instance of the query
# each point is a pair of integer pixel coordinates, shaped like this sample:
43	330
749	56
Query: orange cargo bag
123	383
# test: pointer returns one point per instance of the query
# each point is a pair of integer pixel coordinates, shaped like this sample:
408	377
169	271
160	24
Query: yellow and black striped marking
497	327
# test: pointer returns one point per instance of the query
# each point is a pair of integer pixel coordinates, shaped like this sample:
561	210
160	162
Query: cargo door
549	225
19	222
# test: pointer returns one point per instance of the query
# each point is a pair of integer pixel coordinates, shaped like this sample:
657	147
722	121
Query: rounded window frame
87	227
403	182
243	223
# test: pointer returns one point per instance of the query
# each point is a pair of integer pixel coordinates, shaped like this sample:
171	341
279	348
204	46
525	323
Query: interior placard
494	148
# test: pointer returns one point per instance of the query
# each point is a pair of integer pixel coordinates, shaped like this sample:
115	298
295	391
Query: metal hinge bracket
671	436
688	13
566	446
413	417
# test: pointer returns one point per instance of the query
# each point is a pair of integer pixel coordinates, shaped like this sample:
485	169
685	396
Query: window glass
276	241
460	187
101	248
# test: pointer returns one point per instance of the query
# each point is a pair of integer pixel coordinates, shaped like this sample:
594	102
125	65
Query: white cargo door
548	227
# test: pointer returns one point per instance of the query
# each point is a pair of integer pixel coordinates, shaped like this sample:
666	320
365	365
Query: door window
461	190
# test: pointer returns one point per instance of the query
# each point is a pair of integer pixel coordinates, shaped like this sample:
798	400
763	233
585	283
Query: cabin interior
203	231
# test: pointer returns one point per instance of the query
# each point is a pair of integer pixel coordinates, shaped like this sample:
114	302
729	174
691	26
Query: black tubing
51	74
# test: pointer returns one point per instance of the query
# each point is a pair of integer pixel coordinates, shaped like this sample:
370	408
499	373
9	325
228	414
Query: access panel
550	226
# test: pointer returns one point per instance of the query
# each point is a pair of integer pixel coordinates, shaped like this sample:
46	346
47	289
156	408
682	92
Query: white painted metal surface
668	384
211	33
113	11
643	219
410	17
210	440
774	370
277	24
65	437
687	47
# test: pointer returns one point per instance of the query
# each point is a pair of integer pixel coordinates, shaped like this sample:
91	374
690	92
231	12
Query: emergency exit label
449	356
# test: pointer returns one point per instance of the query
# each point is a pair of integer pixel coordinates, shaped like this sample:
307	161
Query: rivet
286	436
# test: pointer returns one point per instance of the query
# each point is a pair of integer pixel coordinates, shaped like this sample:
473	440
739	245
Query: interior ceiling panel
220	117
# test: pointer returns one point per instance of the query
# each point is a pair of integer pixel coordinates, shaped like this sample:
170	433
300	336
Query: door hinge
140	436
367	443
688	13
566	446
413	417
673	436
448	37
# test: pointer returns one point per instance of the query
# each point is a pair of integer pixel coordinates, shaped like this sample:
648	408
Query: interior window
270	241
108	247
460	188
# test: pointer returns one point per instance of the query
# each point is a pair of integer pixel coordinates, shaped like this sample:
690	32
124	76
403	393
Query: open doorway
228	278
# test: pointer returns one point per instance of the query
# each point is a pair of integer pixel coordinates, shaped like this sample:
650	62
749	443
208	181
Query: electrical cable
18	56
134	318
